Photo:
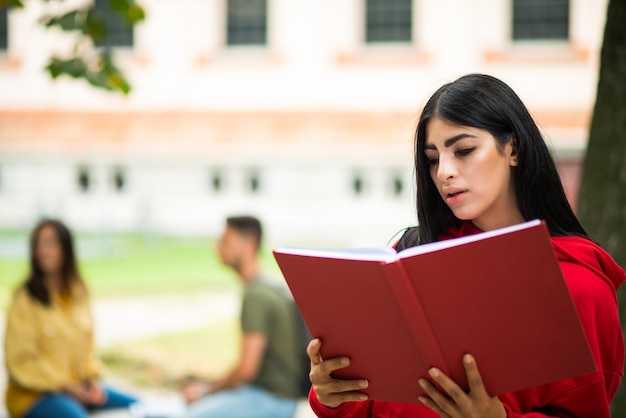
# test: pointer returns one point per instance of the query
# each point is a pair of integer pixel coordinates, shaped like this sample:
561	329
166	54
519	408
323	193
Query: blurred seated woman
50	358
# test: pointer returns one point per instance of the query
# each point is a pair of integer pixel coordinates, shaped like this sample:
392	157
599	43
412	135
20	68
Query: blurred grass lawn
165	360
134	265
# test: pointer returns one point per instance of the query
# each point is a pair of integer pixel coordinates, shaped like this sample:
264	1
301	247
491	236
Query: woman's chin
463	215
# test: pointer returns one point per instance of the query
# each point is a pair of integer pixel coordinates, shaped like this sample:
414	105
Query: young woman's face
48	251
473	176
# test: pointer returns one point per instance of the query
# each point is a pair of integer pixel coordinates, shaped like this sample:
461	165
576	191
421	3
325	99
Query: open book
499	295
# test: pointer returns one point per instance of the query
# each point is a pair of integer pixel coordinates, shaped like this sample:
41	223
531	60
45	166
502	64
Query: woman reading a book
482	164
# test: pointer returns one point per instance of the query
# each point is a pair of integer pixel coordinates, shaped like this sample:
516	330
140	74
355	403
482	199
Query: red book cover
499	295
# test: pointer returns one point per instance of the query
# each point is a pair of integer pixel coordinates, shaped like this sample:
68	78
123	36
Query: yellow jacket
47	347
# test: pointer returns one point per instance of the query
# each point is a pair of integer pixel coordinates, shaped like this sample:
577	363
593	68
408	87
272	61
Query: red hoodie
593	278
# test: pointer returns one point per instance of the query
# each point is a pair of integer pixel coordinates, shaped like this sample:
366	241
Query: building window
254	182
359	184
397	185
388	20
118	179
217	181
4	29
246	22
83	179
540	20
119	33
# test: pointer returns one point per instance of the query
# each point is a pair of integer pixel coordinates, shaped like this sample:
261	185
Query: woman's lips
454	196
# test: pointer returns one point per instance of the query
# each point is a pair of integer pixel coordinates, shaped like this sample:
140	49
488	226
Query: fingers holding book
313	351
332	392
453	401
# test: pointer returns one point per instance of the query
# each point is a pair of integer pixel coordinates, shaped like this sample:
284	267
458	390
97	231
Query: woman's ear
514	148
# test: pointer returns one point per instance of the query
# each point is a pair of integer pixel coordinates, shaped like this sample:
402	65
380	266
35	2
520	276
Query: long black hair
35	283
484	102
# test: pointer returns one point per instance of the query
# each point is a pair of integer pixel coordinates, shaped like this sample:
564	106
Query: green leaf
99	69
129	10
100	72
70	21
95	26
113	75
53	67
11	3
120	5
135	13
74	67
97	79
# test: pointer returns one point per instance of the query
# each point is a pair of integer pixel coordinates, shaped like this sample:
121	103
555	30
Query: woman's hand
94	393
89	393
332	392
76	391
458	404
192	390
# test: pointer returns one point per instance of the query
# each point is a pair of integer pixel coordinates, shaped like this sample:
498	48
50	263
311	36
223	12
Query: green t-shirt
267	308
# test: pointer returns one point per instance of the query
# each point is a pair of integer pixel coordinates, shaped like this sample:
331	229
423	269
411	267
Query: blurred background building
301	112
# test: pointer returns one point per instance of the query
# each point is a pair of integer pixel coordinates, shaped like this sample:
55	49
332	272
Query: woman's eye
465	151
433	160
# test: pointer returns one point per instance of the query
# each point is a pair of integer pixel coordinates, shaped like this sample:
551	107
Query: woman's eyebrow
450	141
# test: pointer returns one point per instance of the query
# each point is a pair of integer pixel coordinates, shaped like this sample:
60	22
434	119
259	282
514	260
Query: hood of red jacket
590	255
572	249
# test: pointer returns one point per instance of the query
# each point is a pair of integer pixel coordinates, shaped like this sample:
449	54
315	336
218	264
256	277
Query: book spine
415	316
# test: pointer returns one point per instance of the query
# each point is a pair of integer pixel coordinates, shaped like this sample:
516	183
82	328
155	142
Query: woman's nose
446	168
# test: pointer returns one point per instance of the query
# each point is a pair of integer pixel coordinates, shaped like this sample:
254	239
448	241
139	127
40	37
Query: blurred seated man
265	381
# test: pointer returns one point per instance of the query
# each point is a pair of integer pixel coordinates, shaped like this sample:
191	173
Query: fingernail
363	383
363	397
468	359
422	399
434	372
345	361
422	383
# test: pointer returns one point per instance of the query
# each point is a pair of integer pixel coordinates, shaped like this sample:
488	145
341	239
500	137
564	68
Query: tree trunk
602	201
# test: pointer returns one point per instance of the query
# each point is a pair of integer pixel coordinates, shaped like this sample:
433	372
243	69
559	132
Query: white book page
381	254
388	255
439	245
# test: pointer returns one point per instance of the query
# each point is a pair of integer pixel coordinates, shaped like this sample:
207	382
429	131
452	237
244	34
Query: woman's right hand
78	392
194	389
332	392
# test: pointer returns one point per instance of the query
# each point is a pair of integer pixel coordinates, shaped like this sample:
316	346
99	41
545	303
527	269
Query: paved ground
139	318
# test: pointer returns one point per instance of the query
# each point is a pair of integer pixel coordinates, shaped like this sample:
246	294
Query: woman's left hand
194	389
456	403
95	393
